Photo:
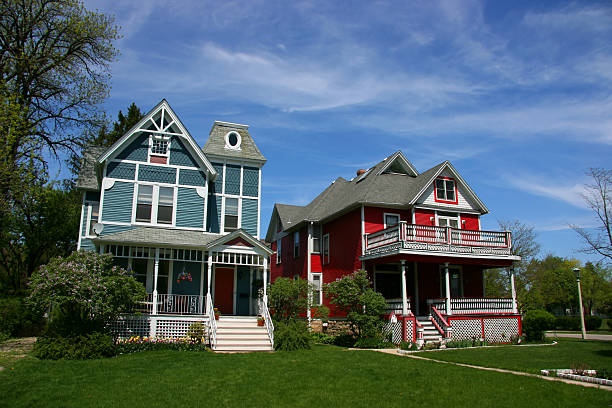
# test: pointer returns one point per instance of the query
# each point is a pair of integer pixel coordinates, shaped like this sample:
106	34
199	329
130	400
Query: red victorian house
418	235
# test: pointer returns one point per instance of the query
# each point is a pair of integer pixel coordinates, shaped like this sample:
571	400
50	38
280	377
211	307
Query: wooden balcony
405	237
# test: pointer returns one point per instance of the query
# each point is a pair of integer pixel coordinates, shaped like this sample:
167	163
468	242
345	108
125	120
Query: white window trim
163	137
239	223
446	217
391	214
320	275
323	238
279	249
227	143
89	207
154	204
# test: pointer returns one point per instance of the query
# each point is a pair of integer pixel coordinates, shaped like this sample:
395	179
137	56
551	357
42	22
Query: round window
232	140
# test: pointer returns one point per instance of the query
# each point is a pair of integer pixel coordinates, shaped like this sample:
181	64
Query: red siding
315	263
472	281
374	217
471	222
290	266
423	217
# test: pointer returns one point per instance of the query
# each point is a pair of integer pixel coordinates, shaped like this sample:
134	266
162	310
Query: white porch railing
394	305
438	239
212	323
174	304
474	305
265	313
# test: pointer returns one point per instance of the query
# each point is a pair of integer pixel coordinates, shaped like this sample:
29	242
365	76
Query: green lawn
567	353
326	376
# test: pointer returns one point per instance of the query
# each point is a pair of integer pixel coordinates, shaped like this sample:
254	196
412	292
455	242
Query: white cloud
546	187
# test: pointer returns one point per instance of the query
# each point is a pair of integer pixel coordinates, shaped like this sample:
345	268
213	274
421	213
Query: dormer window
233	140
445	190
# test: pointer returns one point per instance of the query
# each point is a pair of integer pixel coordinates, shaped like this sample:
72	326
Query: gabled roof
239	233
215	145
89	175
378	187
166	126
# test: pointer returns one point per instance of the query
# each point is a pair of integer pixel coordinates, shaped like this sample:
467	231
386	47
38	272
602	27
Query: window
317	293
445	190
165	204
316	239
325	249
144	203
448	220
296	244
139	269
159	146
278	251
391	220
233	140
231	214
95	212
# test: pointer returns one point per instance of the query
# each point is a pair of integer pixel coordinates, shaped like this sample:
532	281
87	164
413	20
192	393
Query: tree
596	283
288	298
364	308
549	284
525	245
54	58
84	291
598	197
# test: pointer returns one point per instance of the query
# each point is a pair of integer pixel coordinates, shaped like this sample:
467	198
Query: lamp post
577	272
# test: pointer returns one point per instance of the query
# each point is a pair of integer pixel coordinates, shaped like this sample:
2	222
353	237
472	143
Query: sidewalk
578	335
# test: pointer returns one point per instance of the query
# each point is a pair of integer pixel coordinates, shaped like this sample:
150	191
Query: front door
224	290
243	290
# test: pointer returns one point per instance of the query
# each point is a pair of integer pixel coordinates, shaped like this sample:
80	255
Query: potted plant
217	313
261	321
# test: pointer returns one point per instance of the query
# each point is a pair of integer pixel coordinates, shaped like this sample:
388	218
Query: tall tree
54	57
550	284
598	196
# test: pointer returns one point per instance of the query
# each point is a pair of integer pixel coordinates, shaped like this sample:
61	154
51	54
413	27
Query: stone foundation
333	327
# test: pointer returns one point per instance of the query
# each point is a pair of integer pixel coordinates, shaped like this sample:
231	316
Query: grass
325	376
567	353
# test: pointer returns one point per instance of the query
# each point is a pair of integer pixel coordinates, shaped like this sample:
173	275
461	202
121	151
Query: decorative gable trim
398	157
458	181
249	241
165	130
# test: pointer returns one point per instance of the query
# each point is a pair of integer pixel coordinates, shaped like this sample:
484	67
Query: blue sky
517	95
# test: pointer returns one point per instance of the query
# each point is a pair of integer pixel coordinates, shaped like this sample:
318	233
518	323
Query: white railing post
404	300
155	275
513	287
447	287
265	280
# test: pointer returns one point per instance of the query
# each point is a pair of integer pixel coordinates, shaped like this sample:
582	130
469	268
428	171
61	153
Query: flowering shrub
92	345
136	344
84	292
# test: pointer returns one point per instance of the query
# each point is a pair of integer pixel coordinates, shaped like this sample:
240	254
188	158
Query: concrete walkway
499	370
604	337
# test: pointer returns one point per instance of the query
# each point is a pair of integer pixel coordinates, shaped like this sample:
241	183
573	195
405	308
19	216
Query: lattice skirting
395	329
173	327
409	330
492	329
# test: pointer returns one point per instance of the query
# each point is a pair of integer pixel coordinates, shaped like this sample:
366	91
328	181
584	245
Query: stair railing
212	323
440	322
265	312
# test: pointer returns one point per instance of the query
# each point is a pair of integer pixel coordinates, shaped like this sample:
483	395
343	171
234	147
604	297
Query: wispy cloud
546	186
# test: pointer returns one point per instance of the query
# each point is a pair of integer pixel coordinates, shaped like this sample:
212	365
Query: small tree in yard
84	293
288	298
363	307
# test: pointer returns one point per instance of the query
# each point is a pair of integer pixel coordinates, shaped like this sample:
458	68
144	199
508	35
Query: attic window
445	190
233	140
159	147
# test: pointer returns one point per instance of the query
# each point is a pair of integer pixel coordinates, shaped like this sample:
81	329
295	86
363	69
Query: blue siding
138	150
189	208
121	170
250	181
118	202
214	213
249	216
232	179
185	287
192	177
87	245
217	186
179	155
157	174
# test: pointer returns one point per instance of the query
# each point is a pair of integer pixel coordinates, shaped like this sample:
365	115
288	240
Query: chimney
360	172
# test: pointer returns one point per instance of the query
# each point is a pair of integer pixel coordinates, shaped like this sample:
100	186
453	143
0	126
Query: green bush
609	323
322	338
462	343
373	342
592	322
197	332
404	345
567	323
93	345
138	344
16	319
344	340
292	336
535	322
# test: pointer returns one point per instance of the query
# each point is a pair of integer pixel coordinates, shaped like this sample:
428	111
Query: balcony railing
395	305
474	305
174	304
438	239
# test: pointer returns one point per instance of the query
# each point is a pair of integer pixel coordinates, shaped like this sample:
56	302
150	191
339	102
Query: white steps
430	332
241	333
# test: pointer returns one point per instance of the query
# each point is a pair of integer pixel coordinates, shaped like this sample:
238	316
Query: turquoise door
243	290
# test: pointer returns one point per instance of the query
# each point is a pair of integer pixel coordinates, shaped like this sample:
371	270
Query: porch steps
241	333
430	332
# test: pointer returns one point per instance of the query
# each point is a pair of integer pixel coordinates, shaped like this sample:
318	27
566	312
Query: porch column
514	305
155	275
404	300
210	265
265	279
415	305
447	287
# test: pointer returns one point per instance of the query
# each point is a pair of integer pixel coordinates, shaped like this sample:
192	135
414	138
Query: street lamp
577	272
